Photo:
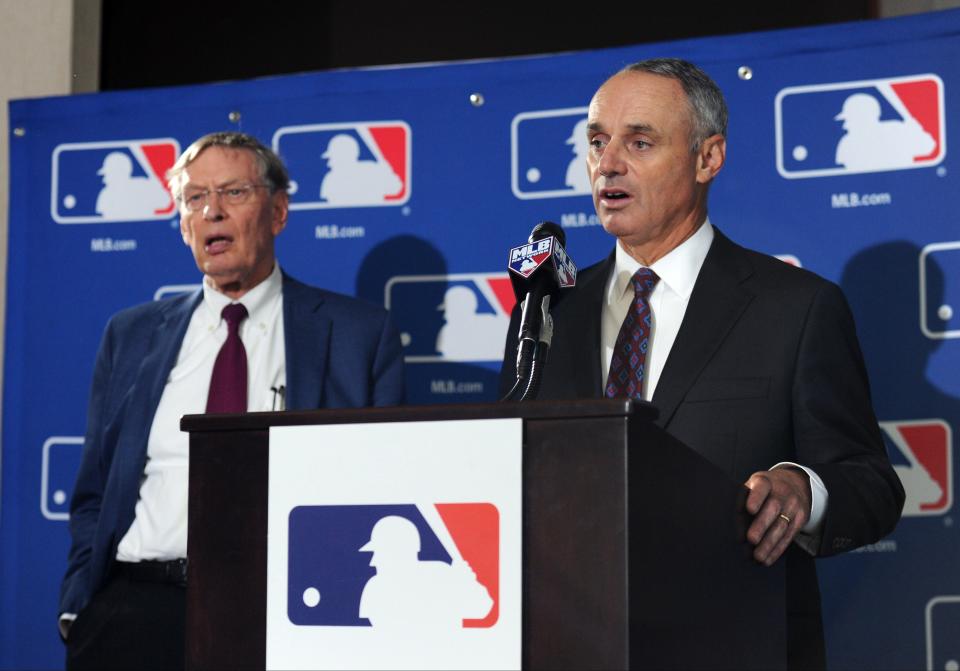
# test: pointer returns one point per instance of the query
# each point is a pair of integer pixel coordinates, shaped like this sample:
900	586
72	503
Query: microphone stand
532	356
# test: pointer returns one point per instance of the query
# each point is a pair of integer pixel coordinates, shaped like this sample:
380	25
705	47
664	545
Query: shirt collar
677	270
256	300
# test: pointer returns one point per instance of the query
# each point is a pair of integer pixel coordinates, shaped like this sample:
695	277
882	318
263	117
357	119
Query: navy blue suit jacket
766	368
340	353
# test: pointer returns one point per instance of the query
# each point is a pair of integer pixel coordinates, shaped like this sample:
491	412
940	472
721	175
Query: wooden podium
633	546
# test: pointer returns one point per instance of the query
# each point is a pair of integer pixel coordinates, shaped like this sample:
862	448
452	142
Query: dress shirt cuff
64	623
809	536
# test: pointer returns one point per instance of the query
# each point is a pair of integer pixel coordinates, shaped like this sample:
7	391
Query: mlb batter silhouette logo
459	317
870	143
861	126
97	182
361	164
548	150
922	456
940	290
395	567
409	592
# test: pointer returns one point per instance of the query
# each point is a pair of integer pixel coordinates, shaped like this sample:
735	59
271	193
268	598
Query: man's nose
611	161
213	210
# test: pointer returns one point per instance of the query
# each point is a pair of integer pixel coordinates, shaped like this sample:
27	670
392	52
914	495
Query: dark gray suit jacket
766	368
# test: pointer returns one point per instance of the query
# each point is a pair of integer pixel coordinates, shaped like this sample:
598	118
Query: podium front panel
633	549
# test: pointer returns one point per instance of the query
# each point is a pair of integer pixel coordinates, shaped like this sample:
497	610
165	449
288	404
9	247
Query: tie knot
233	314
644	280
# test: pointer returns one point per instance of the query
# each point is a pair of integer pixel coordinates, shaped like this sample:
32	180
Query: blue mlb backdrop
839	159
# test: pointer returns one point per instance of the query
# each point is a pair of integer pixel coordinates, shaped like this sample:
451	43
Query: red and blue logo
116	181
922	456
394	567
337	165
457	317
873	125
525	259
548	154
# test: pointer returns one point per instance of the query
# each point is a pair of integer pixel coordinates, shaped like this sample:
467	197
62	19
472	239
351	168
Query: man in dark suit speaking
252	338
751	362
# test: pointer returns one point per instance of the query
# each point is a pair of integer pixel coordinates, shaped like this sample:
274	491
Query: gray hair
271	168
707	106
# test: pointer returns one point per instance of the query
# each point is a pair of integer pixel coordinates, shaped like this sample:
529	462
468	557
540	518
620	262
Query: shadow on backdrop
900	575
409	276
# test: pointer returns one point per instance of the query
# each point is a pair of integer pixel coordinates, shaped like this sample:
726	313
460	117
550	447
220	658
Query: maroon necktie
627	365
228	384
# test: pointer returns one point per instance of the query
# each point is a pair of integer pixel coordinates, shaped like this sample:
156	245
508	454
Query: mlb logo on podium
101	182
873	125
922	456
395	545
457	317
340	165
548	154
394	567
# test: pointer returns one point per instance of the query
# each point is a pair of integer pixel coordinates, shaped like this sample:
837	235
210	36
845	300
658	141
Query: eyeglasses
237	194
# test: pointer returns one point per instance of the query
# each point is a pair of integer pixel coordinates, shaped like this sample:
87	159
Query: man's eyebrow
596	126
220	185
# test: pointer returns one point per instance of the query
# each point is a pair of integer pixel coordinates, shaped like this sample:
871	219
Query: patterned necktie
630	351
228	384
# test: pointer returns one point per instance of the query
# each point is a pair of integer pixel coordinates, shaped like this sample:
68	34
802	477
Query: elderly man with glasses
251	339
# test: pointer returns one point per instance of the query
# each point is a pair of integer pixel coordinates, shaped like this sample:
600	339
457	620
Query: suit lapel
166	336
578	319
306	330
717	302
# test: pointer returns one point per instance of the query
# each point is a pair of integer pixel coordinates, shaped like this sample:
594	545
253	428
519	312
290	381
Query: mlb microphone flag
526	259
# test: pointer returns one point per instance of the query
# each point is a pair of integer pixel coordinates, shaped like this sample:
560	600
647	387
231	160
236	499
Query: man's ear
281	208
710	158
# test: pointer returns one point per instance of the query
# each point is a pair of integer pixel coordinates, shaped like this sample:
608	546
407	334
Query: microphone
538	270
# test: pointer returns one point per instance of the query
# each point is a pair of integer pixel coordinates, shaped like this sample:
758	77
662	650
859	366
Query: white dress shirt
159	530
678	272
668	301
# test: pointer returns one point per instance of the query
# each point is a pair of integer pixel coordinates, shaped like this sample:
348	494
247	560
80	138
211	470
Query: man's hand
780	501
